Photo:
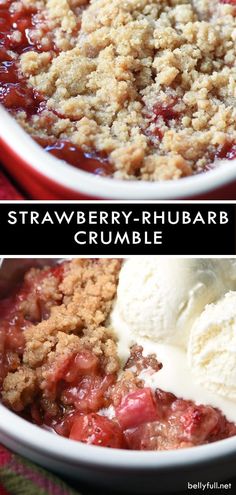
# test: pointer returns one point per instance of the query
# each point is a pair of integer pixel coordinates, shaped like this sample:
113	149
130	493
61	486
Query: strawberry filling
82	401
16	37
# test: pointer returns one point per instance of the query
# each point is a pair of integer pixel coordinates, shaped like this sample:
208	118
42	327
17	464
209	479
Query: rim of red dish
75	453
79	181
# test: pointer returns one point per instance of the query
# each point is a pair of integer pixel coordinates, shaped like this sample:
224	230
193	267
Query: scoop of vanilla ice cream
212	347
159	298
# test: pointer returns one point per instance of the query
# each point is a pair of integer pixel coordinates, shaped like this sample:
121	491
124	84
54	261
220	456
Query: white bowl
124	470
136	472
46	177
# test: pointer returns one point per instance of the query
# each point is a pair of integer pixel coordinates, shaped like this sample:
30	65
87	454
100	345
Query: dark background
58	239
87	489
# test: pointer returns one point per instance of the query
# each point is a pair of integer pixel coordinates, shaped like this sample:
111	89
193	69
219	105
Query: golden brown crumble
150	83
20	388
43	296
76	321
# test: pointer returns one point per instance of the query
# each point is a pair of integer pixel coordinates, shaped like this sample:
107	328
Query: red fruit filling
231	2
227	151
136	408
97	430
90	162
88	394
16	37
15	317
161	113
74	390
181	424
166	112
24	29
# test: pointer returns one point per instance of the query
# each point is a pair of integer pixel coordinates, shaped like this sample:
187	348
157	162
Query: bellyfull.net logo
209	485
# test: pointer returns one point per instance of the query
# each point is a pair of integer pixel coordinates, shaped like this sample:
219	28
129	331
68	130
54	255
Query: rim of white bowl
74	453
86	183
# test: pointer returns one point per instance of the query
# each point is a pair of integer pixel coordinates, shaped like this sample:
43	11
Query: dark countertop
8	189
87	489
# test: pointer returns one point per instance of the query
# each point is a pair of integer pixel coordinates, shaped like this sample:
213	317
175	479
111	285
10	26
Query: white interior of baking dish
34	437
16	431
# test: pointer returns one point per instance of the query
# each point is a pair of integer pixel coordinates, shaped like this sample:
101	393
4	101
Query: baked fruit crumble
134	89
59	366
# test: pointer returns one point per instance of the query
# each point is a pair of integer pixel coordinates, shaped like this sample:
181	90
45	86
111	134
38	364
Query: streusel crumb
75	320
59	366
151	84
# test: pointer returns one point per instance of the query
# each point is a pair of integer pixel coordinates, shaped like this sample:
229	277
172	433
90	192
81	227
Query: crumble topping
75	321
20	388
151	84
43	296
59	366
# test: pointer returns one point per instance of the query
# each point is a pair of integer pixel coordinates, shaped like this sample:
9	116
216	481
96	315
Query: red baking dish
42	176
7	190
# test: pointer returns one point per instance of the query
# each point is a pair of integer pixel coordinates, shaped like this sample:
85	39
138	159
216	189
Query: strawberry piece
136	408
97	430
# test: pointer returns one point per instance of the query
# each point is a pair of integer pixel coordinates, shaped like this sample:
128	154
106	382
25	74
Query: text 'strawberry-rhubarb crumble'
63	365
134	89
